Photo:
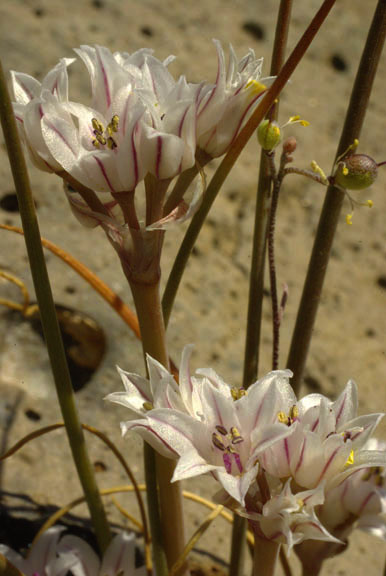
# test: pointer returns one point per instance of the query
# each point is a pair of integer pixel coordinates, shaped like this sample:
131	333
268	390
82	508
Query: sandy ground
211	307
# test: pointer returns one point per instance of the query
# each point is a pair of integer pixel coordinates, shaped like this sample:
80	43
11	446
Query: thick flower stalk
56	554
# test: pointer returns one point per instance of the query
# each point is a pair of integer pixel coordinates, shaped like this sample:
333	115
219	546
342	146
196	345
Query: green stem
265	557
228	162
166	520
48	319
256	278
329	218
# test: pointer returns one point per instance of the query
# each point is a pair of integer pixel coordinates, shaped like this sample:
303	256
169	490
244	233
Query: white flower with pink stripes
204	423
327	437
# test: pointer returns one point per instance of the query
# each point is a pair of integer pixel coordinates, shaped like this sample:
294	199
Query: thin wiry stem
49	320
256	278
329	218
228	162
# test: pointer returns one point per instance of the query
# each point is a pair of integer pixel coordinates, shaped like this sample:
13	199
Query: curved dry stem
194	539
54	518
23	289
7	568
96	283
47	429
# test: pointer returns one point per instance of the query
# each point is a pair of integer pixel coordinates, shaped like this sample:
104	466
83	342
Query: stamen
282	417
350	459
227	462
238	462
318	170
147	406
98	127
236	436
237	393
294	413
111	144
216	439
223	431
257	87
96	143
101	139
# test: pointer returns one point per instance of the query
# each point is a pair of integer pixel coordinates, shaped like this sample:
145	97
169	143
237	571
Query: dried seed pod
356	172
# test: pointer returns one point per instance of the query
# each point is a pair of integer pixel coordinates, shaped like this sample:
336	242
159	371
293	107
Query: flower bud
289	145
356	172
268	135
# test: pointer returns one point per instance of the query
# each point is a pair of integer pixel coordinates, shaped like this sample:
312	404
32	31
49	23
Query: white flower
204	423
225	106
42	558
55	556
358	500
119	557
327	437
286	517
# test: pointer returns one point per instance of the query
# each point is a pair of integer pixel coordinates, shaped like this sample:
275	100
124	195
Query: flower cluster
297	470
143	128
57	554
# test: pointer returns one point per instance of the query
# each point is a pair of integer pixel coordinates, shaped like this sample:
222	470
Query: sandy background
211	307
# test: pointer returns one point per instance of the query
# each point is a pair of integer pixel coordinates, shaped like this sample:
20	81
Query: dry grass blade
113	448
194	539
96	283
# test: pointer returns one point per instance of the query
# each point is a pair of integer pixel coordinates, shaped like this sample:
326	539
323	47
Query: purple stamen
238	462
227	462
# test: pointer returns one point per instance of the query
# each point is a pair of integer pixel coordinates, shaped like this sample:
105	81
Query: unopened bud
289	145
356	172
268	135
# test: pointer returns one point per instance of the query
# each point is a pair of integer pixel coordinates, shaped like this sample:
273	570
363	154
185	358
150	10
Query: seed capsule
356	172
268	135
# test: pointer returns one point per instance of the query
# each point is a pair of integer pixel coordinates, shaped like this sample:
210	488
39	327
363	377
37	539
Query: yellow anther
236	436
294	412
95	143
293	119
216	439
304	122
282	417
318	170
111	144
345	170
97	125
237	393
147	406
349	219
350	459
370	203
257	87
114	122
101	139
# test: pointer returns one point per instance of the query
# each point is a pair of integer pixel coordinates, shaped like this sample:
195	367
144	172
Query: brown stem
148	306
329	218
265	557
272	275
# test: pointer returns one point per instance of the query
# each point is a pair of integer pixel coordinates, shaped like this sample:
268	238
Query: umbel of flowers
118	156
299	470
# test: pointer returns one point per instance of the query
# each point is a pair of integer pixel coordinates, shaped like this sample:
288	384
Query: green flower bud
356	172
268	135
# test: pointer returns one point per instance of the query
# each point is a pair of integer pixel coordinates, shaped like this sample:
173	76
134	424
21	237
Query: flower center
225	442
104	137
290	417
